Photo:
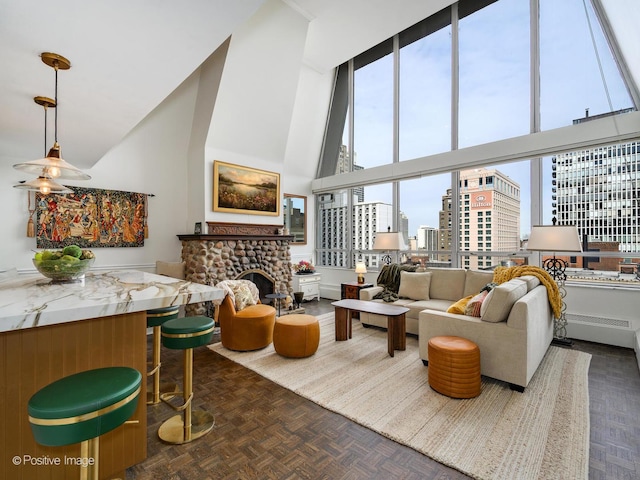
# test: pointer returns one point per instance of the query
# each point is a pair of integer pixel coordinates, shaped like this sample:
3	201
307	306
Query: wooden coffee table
396	325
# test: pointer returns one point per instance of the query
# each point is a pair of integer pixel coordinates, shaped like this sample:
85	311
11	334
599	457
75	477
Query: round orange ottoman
454	367
296	336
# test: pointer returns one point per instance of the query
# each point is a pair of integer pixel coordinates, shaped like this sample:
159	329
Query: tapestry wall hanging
91	217
238	189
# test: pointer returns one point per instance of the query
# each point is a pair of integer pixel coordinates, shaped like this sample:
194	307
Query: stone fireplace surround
230	251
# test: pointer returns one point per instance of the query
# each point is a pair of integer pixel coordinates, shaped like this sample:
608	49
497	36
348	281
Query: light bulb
45	189
53	172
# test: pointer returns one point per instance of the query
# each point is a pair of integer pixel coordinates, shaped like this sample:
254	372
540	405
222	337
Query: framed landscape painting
238	189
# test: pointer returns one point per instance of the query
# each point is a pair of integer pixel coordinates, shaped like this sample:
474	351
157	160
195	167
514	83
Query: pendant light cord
55	67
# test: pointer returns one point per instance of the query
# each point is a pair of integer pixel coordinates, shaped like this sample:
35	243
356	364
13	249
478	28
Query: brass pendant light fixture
43	184
53	165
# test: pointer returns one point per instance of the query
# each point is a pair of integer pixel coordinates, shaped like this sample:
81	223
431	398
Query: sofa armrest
369	293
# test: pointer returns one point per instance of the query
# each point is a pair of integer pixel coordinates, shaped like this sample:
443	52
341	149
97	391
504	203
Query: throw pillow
474	305
460	306
414	285
243	296
170	269
497	306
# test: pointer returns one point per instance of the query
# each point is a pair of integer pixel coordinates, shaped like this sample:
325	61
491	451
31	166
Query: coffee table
396	325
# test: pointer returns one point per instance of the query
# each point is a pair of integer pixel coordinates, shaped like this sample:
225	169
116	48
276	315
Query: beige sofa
513	332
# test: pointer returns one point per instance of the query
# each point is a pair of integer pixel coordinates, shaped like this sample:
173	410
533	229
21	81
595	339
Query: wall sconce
361	269
53	165
556	238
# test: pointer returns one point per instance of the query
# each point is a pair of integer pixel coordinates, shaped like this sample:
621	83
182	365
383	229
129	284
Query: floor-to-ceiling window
456	97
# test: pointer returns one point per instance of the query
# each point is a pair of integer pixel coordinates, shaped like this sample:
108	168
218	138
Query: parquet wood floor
264	431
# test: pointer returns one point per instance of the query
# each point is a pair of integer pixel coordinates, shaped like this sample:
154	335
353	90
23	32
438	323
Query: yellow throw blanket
504	274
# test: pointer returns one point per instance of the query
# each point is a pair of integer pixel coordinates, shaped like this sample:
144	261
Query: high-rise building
489	216
597	190
444	227
345	165
427	238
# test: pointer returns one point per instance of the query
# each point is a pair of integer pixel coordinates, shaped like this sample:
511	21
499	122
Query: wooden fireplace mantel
232	231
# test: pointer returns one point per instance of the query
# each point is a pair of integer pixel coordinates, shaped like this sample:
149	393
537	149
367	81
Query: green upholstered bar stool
155	319
185	334
81	407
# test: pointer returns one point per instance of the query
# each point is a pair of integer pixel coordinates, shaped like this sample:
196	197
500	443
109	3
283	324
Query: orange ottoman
454	367
296	336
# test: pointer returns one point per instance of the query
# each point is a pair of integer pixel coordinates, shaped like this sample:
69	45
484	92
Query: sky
494	95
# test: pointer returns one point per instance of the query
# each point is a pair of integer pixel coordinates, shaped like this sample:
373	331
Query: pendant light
53	165
43	184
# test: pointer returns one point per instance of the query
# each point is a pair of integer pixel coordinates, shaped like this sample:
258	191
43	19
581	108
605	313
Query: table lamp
361	269
556	238
388	241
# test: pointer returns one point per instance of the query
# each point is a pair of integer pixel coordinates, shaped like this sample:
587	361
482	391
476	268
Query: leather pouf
296	336
454	367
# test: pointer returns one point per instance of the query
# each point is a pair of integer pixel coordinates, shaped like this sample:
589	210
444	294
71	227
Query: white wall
256	104
151	159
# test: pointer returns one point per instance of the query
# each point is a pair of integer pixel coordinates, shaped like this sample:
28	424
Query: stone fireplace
230	251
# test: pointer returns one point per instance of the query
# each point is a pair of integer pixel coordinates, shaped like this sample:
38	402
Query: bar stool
81	407
155	319
185	334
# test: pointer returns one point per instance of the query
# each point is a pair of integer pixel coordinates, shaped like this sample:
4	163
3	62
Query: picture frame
240	189
294	217
197	230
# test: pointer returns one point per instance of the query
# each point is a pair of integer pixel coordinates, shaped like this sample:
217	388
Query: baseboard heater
600	321
610	331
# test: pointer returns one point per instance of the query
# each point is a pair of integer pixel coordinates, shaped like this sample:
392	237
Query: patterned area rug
541	433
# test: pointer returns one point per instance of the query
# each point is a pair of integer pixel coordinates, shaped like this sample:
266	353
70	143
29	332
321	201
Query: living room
259	99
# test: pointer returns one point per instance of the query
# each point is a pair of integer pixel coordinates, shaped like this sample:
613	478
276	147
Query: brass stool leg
90	450
153	397
192	424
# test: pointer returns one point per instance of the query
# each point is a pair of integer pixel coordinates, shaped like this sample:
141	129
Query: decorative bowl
63	270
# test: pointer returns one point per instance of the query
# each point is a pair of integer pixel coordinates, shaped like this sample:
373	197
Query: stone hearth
230	251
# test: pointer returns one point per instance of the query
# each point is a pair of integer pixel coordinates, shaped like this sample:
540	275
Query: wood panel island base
396	324
50	331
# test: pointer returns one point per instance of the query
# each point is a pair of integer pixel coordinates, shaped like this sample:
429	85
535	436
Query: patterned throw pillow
243	296
460	306
473	307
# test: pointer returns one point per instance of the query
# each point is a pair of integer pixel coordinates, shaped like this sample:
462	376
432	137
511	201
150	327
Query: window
440	187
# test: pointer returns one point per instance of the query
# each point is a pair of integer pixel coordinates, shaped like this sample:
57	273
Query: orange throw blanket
504	274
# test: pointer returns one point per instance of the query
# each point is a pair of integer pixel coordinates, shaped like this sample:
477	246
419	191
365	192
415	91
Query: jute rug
541	433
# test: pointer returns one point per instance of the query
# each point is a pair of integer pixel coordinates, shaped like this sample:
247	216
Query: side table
351	290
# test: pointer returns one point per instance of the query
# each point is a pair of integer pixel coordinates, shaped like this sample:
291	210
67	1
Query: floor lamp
556	238
388	242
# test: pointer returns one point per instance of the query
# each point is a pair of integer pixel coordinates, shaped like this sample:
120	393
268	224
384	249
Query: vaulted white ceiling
128	56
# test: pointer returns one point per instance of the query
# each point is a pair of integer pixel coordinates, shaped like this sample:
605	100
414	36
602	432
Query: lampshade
361	268
554	238
53	166
389	241
43	185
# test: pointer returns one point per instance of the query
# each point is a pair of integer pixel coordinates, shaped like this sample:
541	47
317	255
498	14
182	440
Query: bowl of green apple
66	265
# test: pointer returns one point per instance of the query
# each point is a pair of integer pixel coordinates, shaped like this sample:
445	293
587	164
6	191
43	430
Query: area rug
541	433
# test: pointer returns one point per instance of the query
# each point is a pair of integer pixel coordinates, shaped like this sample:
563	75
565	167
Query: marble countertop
28	301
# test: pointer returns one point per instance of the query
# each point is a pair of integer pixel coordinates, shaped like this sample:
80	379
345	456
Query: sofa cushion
531	281
475	280
414	285
447	283
475	304
460	306
497	306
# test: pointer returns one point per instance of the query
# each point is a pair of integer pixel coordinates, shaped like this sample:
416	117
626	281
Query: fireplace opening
262	280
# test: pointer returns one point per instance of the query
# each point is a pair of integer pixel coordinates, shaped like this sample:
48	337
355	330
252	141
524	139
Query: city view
594	189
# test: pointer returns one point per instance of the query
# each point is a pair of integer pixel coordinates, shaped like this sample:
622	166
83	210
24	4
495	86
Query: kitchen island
50	330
